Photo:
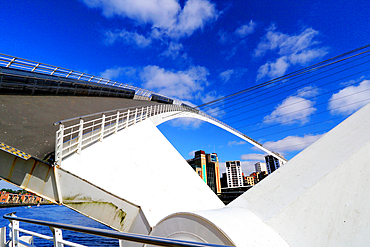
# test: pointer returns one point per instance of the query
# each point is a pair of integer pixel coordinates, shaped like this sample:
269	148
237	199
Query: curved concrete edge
142	167
319	197
228	226
167	116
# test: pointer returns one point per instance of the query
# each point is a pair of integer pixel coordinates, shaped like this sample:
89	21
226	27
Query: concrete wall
321	196
140	166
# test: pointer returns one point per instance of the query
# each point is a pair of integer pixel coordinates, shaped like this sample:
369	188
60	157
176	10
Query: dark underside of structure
30	104
27	121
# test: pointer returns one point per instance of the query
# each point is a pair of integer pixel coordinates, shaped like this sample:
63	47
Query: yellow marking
14	151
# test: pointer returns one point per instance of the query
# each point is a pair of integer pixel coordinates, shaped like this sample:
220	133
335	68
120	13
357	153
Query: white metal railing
86	130
32	66
58	240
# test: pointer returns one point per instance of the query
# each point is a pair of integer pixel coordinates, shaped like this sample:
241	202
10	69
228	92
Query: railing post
146	113
102	128
80	133
58	236
127	118
142	113
59	145
150	111
117	121
135	116
15	233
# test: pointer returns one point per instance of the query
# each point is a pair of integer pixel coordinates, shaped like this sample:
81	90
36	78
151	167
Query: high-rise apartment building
272	163
260	167
207	167
234	174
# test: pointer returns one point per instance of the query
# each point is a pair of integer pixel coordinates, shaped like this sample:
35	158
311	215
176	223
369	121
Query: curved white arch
167	116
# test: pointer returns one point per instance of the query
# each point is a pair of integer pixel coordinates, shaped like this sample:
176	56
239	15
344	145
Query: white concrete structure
121	182
305	203
234	174
147	172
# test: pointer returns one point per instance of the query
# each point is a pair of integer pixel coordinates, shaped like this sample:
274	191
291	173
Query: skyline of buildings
207	167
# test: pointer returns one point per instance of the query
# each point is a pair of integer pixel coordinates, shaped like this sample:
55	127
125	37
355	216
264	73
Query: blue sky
200	50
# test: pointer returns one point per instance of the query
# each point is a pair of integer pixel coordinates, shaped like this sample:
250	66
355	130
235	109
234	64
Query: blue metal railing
56	227
12	62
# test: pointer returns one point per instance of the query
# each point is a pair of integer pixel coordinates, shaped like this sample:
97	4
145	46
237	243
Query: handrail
75	137
32	66
138	238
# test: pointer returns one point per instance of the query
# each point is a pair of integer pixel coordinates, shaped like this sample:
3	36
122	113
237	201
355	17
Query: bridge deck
26	121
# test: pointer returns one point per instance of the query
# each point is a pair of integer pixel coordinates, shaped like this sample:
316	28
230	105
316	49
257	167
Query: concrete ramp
319	198
137	177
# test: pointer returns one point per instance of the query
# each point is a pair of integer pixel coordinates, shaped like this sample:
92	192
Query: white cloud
291	50
186	123
232	143
309	91
179	84
216	112
292	143
210	96
115	73
274	69
248	167
292	110
173	50
224	36
194	15
246	29
164	16
129	38
159	13
192	153
255	157
225	76
350	99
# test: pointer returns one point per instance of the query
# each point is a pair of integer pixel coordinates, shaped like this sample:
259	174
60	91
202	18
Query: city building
261	175
207	167
260	167
223	180
272	163
250	180
254	178
12	198
234	174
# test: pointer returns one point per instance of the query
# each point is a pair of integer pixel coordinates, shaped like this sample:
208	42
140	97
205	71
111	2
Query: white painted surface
321	196
228	226
142	167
